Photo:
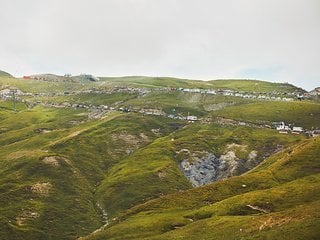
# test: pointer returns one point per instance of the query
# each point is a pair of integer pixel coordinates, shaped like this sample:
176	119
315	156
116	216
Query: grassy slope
100	147
29	85
154	168
117	161
286	187
234	84
84	153
88	98
305	114
148	82
183	103
253	86
23	148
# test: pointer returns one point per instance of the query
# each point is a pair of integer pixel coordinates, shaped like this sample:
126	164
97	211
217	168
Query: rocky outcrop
201	171
209	167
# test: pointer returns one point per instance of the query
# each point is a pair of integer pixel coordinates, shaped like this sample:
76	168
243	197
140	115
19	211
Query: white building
297	130
192	118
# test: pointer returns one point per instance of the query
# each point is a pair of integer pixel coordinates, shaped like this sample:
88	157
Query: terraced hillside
156	158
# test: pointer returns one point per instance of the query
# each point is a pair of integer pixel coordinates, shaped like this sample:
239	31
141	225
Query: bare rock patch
52	161
41	188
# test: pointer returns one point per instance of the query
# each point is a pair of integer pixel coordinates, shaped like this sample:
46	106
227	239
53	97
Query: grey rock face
211	168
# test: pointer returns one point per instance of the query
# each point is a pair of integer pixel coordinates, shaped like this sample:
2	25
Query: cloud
274	40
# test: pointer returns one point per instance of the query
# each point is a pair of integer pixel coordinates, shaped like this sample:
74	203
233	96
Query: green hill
55	83
5	74
117	159
233	84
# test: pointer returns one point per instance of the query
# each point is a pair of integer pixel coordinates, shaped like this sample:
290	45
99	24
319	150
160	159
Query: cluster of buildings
285	129
275	96
190	118
8	93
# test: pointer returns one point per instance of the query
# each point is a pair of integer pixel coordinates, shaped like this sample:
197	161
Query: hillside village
97	111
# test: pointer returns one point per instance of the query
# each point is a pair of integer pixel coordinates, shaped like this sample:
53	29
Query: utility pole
13	92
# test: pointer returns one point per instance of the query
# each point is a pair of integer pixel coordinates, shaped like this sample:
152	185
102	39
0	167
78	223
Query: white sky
275	40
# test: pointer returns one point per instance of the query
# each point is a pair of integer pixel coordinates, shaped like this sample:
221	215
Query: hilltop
157	158
88	81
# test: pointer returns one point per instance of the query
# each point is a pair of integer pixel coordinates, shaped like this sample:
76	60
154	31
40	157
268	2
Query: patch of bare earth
237	146
162	174
130	139
144	137
156	131
41	188
274	221
52	161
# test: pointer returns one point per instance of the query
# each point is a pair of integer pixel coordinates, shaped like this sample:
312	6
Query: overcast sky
275	40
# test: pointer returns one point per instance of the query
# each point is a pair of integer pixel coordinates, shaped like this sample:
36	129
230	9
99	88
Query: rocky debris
156	131
233	146
201	171
144	137
41	188
105	219
229	164
252	155
162	174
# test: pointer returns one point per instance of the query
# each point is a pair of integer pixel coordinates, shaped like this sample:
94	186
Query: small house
282	128
297	130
